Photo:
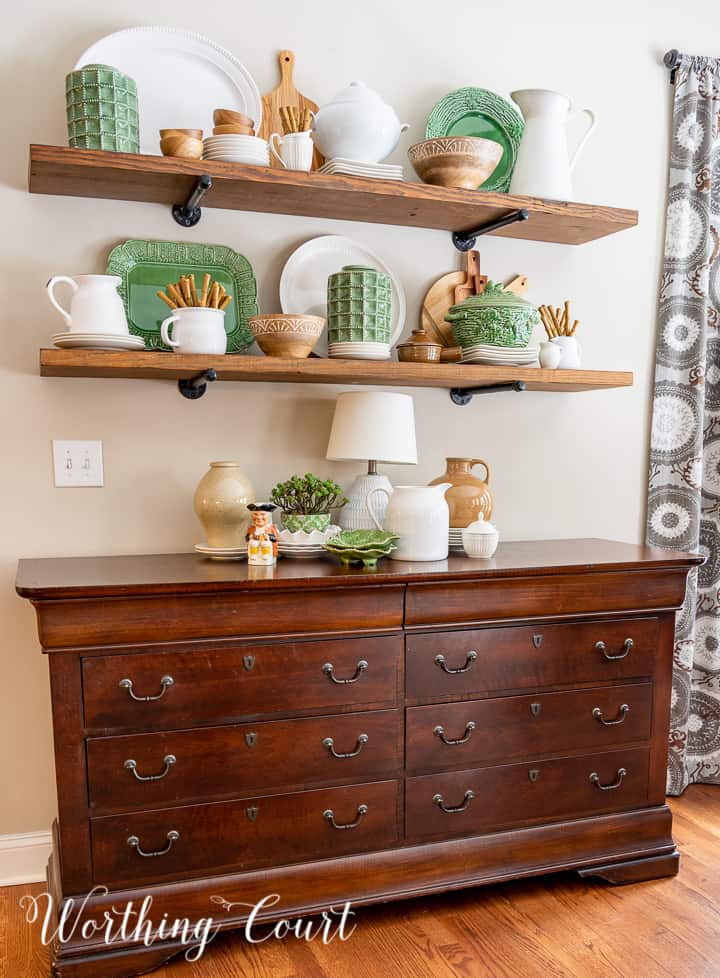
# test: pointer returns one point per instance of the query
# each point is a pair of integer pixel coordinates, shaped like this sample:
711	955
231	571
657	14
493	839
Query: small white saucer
98	341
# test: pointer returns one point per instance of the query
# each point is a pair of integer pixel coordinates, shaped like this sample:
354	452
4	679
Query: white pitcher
95	307
421	518
544	166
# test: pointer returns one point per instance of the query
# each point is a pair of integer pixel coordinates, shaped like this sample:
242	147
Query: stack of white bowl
301	544
359	351
236	148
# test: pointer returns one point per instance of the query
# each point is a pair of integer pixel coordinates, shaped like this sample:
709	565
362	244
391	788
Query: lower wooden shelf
315	370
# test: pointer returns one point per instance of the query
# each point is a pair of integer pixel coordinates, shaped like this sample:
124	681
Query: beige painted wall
563	465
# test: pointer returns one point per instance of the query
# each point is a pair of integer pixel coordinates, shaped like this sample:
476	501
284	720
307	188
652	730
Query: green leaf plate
147	266
480	112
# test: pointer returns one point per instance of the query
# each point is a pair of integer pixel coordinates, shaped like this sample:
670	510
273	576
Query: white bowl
481	545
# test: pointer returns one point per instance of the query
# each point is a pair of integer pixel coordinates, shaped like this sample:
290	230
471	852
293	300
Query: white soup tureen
357	125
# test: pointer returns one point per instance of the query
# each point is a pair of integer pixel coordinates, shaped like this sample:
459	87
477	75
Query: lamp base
354	515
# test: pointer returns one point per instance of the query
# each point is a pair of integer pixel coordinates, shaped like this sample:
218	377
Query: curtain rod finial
672	59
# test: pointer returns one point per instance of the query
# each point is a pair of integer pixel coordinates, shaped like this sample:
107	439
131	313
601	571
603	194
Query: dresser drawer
147	770
487	799
232	683
484	660
475	732
247	834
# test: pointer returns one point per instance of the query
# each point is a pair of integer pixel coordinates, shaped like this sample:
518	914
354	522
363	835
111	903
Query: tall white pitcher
544	165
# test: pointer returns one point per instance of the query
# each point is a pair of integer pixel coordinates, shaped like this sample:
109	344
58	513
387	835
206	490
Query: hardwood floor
549	927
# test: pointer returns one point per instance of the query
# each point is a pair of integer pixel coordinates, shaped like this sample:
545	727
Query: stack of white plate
222	553
98	341
500	356
455	540
356	168
359	351
235	148
302	545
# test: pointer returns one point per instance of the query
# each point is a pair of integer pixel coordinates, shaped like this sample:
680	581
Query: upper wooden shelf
164	180
317	370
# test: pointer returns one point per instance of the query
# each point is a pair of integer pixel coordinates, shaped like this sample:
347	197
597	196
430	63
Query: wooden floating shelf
317	370
164	180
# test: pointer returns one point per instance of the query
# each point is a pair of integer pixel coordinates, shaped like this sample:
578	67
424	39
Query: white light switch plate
78	463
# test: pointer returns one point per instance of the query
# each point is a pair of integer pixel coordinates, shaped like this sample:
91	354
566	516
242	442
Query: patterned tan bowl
286	334
455	161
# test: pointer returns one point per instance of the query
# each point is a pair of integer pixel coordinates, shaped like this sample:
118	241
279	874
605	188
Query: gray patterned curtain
684	490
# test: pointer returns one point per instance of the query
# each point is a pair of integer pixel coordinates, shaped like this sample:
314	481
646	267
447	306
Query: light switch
78	463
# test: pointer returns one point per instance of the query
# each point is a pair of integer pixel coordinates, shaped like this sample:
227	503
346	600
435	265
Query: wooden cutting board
285	94
442	294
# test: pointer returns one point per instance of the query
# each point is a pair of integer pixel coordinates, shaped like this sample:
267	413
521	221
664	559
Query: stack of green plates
102	110
361	546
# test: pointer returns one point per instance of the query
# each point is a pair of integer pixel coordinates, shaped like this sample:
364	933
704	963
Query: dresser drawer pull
438	800
627	645
165	682
361	741
168	760
439	731
329	671
329	814
622	713
440	661
595	778
134	842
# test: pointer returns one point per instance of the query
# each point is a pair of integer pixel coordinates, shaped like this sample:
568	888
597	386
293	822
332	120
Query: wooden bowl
228	117
186	147
287	335
195	133
238	130
455	161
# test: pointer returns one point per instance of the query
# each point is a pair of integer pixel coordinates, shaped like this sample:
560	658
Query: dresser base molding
626	847
636	870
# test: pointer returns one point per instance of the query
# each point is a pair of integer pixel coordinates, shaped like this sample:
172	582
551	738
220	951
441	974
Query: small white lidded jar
480	539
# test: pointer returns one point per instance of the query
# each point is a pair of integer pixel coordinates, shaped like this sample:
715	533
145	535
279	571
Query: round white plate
98	341
221	553
239	158
181	78
303	283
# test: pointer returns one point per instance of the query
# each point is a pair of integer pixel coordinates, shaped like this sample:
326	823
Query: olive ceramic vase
469	498
221	501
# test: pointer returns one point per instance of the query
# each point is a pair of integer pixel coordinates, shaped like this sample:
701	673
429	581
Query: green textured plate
146	266
479	112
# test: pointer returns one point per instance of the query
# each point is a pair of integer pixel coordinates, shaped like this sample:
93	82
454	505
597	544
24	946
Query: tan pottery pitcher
468	498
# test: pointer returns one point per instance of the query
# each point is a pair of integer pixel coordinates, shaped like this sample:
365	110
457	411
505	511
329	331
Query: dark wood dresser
332	734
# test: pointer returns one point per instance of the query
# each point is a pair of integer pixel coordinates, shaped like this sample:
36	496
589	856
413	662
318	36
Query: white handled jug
421	518
95	307
544	165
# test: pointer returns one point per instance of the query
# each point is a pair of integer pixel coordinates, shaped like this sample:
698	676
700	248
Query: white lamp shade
373	425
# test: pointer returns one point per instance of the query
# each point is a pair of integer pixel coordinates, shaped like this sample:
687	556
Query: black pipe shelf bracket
465	240
187	215
462	396
195	387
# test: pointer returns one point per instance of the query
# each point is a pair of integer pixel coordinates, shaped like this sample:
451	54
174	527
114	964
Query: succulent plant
308	494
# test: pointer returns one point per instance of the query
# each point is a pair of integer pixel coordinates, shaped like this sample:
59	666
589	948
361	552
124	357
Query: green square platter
147	266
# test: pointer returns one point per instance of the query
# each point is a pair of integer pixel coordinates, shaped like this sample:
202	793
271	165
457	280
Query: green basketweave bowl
306	521
495	317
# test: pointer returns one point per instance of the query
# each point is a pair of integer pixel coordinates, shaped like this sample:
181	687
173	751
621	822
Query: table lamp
372	426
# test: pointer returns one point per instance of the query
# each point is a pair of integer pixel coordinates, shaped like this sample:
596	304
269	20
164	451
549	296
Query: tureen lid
494	297
357	91
480	526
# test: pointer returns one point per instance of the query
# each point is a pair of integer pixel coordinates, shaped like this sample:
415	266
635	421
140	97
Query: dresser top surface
58	577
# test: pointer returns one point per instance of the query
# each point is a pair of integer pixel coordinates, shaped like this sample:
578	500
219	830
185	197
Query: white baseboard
23	857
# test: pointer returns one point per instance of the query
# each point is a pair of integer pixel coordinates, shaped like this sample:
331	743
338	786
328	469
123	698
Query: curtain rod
673	59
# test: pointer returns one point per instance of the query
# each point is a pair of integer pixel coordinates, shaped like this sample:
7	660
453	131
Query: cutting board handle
287	66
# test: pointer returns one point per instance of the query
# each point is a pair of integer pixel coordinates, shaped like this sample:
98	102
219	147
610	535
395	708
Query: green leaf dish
495	317
363	539
368	558
147	266
480	112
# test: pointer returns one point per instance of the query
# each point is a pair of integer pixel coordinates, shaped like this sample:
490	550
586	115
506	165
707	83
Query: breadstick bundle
557	321
294	119
184	293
